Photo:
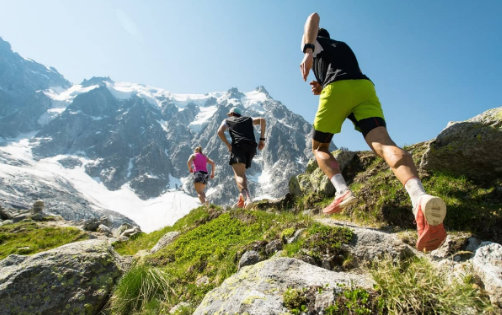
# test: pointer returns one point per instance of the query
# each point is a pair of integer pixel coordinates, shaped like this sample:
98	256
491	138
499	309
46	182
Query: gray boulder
130	232
6	222
165	240
93	223
470	148
5	214
104	229
273	247
368	244
258	289
314	180
38	207
487	263
76	278
250	257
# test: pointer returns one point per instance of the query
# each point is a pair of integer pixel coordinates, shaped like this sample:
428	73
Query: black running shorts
242	153
200	177
364	125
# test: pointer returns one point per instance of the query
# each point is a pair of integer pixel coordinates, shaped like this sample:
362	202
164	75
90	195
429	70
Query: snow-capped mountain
21	81
102	137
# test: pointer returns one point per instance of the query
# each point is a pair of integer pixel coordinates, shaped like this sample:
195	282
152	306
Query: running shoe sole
434	209
434	234
337	208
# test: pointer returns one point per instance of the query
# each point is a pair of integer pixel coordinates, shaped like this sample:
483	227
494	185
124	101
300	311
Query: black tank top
241	130
335	62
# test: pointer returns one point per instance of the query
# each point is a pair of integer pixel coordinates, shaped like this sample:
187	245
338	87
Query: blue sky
431	61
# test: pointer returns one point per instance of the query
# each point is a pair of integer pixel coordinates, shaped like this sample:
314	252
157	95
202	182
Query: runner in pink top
200	162
199	169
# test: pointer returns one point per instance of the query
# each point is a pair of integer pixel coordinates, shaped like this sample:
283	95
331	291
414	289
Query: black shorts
200	177
243	153
364	125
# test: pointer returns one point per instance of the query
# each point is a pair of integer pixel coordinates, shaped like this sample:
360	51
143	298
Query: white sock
339	183
415	190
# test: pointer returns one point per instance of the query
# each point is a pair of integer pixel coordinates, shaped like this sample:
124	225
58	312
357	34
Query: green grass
148	240
212	249
28	237
471	208
416	287
140	241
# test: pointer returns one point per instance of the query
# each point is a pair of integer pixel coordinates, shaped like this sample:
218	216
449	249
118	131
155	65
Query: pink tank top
200	162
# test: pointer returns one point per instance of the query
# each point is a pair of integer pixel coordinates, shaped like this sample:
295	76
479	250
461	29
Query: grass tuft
416	287
142	288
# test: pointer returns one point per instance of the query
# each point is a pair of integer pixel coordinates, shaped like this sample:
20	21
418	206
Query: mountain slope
21	83
131	137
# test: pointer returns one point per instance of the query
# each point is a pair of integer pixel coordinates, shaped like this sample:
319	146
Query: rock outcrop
470	148
487	263
258	289
76	278
368	245
314	180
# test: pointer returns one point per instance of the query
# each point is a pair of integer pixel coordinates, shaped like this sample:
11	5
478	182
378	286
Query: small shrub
351	301
295	300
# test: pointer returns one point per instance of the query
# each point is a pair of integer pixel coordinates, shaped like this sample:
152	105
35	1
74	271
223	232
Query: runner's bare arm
263	124
221	134
309	37
189	163
212	166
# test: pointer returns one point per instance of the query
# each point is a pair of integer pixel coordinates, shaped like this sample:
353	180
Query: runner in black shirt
243	147
345	92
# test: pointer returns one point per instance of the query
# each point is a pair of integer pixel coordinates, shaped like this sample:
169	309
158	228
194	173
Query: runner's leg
429	211
325	159
399	161
240	178
200	187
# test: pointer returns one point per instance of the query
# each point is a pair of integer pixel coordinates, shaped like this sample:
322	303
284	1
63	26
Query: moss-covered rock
259	289
76	278
29	237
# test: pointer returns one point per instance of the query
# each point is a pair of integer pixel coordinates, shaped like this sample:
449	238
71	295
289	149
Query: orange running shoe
341	200
240	202
430	215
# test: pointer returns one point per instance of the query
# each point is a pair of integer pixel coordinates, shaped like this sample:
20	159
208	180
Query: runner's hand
306	65
316	87
261	145
212	176
229	147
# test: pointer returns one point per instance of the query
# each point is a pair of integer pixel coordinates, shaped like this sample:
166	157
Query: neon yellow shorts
340	99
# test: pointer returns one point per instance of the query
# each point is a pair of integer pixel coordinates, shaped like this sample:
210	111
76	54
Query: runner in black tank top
243	147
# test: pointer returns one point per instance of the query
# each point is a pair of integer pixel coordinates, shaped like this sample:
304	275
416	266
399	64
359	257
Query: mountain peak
96	80
235	93
4	45
261	89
